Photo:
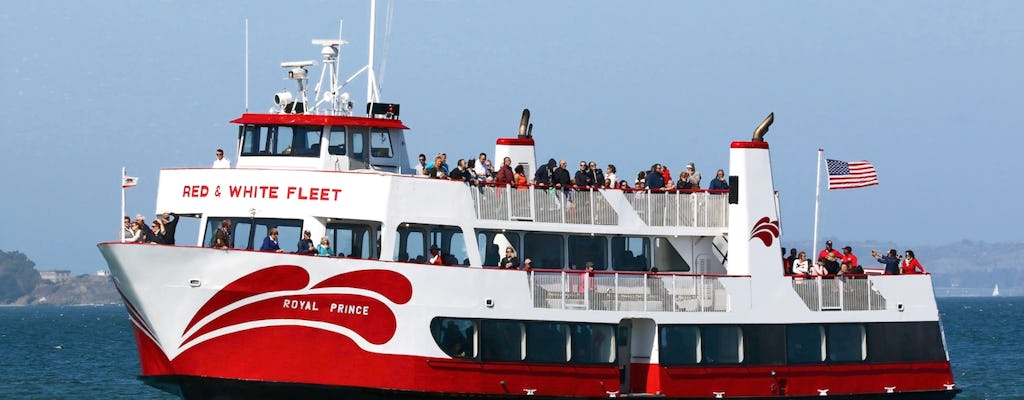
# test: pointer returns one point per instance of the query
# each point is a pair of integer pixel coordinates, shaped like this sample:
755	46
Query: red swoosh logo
389	284
273	279
766	230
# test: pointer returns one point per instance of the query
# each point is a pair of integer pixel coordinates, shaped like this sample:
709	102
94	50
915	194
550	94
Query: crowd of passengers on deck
831	262
556	174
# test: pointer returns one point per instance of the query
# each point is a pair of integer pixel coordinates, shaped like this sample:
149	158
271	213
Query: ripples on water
89	352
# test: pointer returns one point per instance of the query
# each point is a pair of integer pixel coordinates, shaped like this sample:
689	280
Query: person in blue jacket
719	183
891	261
270	242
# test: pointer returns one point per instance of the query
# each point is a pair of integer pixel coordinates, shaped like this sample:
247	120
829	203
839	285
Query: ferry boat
687	297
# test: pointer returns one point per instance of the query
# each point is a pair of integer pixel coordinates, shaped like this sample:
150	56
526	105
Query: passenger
583	177
596	175
655	181
435	170
461	172
684	181
891	261
270	242
849	258
719	183
544	174
489	170
792	256
608	183
623	185
444	163
694	176
818	270
519	178
305	245
219	242
560	177
911	265
609	174
137	233
128	233
801	266
665	175
159	234
225	228
641	180
528	265
669	185
480	169
505	175
831	264
510	261
435	255
828	250
787	268
147	233
421	167
221	162
170	224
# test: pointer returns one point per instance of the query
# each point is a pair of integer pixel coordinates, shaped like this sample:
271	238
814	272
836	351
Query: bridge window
456	337
303	141
337	141
546	250
380	143
588	248
492	246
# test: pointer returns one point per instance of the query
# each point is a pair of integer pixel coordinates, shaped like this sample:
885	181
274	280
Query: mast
370	76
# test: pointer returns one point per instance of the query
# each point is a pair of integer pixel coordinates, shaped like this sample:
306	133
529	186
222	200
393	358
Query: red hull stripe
300	355
390	284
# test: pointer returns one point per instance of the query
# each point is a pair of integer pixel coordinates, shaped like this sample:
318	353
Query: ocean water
89	352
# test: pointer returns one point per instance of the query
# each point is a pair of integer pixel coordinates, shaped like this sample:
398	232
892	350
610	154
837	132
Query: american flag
849	175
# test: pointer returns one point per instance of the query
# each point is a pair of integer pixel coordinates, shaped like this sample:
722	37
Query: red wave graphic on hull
368	317
273	279
766	230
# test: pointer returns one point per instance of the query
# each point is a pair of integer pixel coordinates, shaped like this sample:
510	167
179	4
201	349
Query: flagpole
817	201
120	218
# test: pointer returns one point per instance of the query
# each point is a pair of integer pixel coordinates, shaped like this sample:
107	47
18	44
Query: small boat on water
686	298
995	291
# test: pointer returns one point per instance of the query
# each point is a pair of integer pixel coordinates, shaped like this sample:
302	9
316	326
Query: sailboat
995	291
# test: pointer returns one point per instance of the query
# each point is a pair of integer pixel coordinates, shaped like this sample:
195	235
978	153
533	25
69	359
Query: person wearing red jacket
910	265
849	258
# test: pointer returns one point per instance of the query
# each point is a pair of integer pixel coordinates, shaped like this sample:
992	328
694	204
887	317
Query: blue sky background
929	91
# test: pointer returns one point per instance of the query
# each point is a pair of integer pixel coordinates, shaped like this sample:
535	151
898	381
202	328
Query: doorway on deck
635	342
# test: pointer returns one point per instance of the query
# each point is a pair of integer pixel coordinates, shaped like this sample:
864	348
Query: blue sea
89	352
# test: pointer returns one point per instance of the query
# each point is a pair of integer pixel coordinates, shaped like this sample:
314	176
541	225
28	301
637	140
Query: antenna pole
246	67
370	78
817	198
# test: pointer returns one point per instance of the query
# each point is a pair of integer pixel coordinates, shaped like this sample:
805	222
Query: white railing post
565	288
476	196
592	206
508	201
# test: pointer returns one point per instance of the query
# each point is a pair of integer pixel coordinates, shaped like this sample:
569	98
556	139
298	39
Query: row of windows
305	141
413	242
530	341
799	344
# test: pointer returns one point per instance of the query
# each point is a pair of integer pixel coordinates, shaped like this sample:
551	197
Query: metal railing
590	206
628	292
573	206
836	293
680	208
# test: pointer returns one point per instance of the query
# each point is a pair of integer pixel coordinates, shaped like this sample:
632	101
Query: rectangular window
354	239
721	344
845	343
415	240
592	343
630	253
380	143
337	141
285	140
679	345
764	344
805	344
667	258
248	233
904	341
546	250
583	249
501	340
492	246
547	342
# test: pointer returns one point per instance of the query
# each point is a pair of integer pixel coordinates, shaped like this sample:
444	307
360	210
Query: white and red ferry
718	319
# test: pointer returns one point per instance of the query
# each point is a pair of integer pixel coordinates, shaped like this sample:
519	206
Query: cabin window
805	344
630	253
592	343
547	251
354	239
501	340
248	233
667	258
679	345
583	249
905	341
337	141
303	141
547	342
456	337
762	344
380	143
415	240
492	246
721	344
845	343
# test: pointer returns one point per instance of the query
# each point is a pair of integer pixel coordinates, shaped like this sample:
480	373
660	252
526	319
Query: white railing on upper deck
506	203
680	208
591	206
833	293
628	292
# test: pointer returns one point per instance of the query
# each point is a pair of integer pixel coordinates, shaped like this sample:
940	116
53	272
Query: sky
930	92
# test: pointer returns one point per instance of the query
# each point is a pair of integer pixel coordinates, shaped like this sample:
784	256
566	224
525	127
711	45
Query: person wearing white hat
694	176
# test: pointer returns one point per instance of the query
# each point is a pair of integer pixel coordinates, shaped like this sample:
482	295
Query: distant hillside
77	290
